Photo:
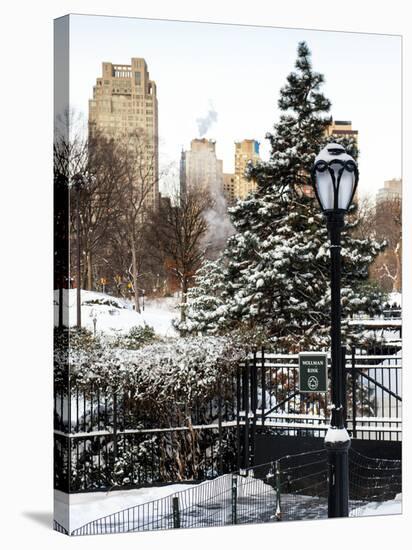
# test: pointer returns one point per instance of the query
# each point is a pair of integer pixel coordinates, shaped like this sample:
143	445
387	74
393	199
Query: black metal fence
90	462
105	440
270	400
291	488
91	409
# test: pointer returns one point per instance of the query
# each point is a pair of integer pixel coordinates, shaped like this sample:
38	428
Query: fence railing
96	432
90	462
270	397
290	488
91	409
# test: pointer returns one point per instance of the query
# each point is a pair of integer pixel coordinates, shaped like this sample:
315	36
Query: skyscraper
125	101
200	169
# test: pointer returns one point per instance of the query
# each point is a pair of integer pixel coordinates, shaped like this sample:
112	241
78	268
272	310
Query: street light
335	178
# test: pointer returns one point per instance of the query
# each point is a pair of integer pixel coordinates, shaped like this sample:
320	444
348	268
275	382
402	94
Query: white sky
241	70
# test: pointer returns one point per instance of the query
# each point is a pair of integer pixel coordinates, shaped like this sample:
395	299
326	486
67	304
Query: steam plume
204	123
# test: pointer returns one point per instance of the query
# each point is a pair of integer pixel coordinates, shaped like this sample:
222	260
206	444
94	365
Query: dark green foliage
274	272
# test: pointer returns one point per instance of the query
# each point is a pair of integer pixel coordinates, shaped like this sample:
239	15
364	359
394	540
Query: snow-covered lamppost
335	178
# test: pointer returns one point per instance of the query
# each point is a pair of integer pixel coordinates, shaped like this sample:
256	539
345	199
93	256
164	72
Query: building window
137	78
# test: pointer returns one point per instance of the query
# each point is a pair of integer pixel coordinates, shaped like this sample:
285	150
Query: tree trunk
397	284
183	301
135	275
89	271
83	278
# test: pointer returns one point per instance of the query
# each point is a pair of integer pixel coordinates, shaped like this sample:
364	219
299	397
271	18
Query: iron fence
270	398
104	440
290	488
90	462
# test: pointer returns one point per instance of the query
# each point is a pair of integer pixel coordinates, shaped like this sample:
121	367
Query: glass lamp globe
335	177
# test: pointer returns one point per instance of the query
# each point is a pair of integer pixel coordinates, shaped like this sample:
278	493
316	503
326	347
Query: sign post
313	372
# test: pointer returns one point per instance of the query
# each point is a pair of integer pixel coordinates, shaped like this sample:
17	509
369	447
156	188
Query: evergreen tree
206	300
275	270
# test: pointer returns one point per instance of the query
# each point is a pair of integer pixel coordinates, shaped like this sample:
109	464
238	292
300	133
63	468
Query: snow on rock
116	315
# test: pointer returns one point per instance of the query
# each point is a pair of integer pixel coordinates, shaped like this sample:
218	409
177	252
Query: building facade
342	128
245	151
391	190
125	102
229	187
200	169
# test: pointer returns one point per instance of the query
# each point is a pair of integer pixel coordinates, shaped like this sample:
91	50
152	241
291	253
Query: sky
239	70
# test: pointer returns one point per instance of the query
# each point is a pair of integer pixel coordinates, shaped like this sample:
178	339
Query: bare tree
137	192
383	221
88	164
176	232
365	218
70	166
100	201
387	268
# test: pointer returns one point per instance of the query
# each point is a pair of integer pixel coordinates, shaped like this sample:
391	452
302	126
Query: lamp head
335	178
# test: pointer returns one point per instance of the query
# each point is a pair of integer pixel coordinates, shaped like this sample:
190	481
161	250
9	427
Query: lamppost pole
335	178
337	441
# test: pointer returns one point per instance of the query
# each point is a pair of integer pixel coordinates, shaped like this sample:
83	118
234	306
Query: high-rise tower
125	101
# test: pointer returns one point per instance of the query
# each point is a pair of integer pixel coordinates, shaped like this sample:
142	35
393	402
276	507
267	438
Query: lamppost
335	178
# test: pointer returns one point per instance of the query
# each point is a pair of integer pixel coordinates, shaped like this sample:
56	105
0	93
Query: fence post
114	425
253	406
278	511
344	399
220	447
354	404
176	513
238	407
234	499
246	463
263	403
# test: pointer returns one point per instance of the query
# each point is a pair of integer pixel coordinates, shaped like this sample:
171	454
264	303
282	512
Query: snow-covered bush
158	375
162	385
183	367
136	337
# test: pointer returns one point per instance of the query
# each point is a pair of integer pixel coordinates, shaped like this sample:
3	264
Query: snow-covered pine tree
274	272
206	306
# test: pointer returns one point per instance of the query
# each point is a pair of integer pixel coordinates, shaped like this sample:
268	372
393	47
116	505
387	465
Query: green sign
313	372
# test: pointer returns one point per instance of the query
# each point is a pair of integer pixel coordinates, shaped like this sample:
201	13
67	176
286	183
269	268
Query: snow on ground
395	298
116	315
85	507
255	505
386	508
